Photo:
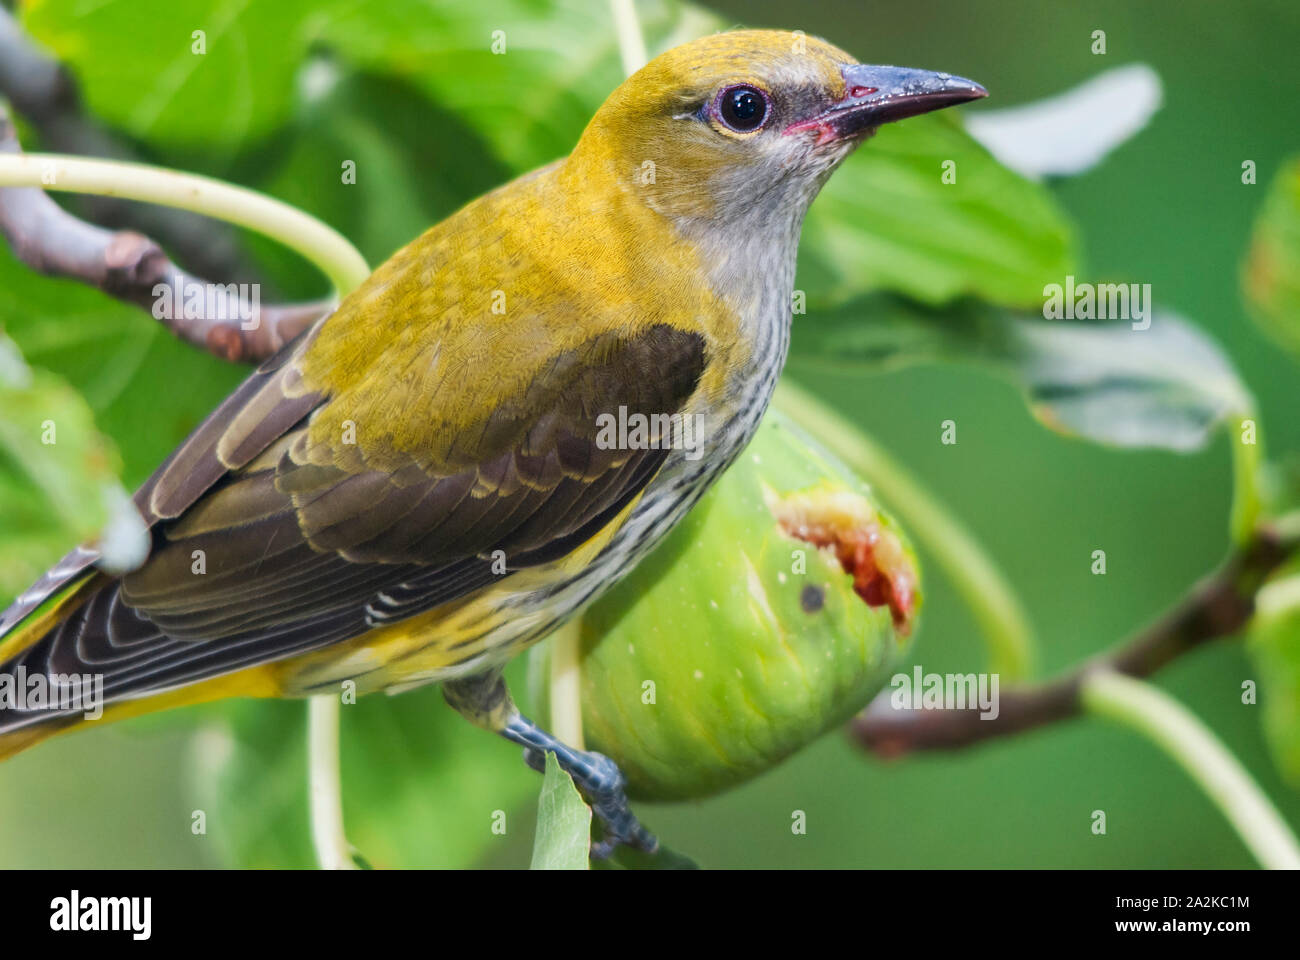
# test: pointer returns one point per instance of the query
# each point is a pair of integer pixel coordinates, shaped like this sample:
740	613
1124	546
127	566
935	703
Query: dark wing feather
297	556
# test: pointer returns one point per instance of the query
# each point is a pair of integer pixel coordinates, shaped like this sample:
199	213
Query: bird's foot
600	782
485	701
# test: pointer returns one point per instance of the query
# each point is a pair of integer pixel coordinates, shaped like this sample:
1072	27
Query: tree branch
130	267
1218	606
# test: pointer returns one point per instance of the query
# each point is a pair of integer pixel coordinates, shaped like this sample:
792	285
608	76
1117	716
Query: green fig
774	612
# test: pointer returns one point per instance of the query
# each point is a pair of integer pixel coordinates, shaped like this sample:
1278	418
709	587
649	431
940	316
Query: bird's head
733	127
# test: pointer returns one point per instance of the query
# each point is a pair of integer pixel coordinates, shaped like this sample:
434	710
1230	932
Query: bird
424	482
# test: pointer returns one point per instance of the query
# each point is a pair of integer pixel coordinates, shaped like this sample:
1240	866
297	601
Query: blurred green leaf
563	823
887	221
136	64
421	787
1270	276
58	475
1167	387
413	165
138	68
477	59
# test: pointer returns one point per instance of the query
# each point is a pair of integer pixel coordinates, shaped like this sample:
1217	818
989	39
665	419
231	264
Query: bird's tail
51	601
17	737
74	700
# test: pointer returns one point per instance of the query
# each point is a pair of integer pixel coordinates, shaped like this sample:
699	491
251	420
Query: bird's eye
742	108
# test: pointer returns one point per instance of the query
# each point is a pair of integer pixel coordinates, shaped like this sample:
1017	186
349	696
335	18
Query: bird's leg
485	702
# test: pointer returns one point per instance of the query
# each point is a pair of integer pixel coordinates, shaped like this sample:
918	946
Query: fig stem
320	244
325	785
566	684
1247	499
1181	734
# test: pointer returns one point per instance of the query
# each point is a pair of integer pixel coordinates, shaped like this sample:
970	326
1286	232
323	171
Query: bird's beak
874	95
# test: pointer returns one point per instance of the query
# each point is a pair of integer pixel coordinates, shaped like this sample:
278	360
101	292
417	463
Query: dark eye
742	108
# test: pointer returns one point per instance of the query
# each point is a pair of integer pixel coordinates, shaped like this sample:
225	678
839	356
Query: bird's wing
266	546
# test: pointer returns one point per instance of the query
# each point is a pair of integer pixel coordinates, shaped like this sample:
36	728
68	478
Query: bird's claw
610	806
535	758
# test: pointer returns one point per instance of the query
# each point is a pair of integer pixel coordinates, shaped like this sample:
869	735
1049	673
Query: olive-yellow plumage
418	486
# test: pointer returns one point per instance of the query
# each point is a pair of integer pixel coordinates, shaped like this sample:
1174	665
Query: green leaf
1270	276
887	221
138	67
563	823
566	52
1166	387
395	137
58	474
421	787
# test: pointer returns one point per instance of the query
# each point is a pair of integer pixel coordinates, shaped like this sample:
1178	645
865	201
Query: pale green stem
333	852
1246	497
566	684
972	572
315	241
318	243
631	42
1198	751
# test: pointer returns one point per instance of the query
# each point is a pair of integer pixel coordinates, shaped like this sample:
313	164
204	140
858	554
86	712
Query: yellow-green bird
427	480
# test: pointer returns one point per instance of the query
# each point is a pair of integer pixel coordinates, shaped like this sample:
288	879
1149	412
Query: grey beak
875	95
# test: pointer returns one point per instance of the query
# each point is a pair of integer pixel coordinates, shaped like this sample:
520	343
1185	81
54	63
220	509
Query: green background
1168	209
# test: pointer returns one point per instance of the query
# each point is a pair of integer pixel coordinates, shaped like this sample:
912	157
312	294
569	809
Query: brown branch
1218	606
135	270
41	90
